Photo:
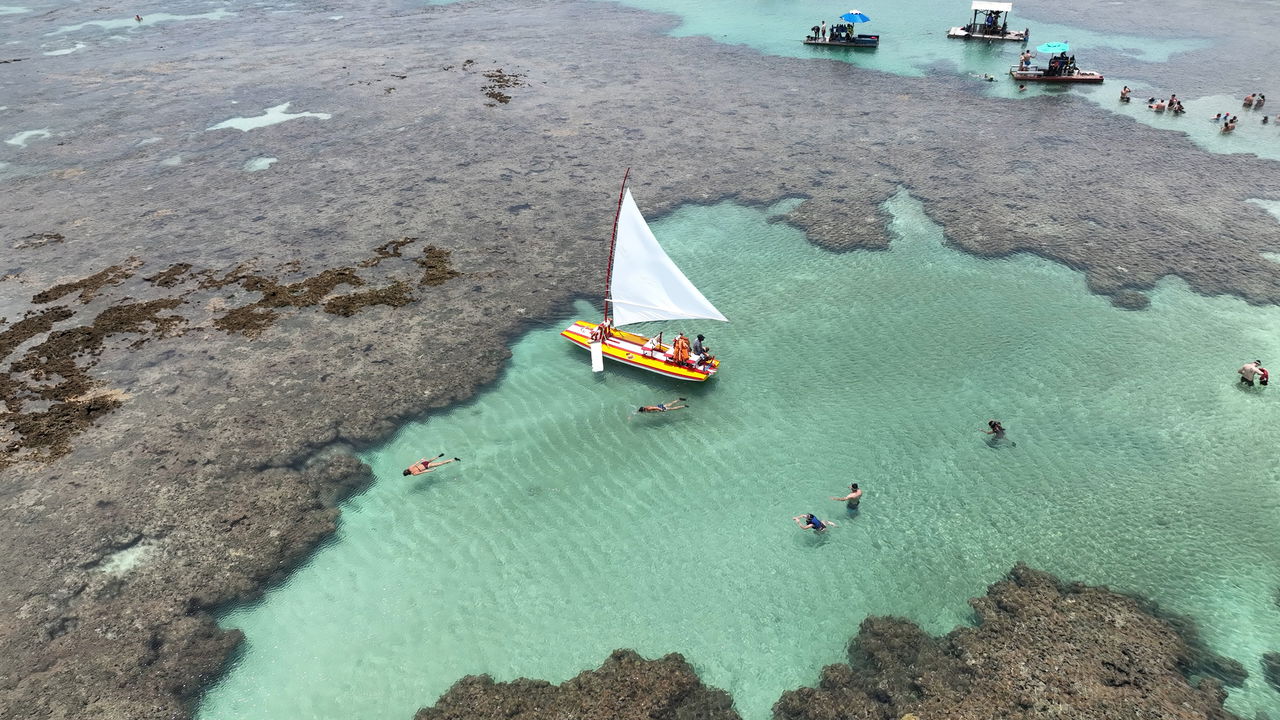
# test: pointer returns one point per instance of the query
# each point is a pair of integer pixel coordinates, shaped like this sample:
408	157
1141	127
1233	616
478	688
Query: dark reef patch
500	80
396	294
35	240
625	687
170	276
1042	649
90	286
250	321
435	266
55	373
386	250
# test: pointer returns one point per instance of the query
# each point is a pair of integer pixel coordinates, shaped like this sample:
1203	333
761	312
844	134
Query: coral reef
1041	649
625	687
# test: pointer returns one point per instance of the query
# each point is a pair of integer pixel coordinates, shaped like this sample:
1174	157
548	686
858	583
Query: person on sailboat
700	352
680	350
653	343
603	331
425	466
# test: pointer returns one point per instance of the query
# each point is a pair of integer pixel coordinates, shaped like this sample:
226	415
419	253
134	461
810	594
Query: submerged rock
1042	648
625	687
1271	669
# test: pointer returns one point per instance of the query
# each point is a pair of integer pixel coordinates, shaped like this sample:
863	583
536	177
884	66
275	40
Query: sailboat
644	285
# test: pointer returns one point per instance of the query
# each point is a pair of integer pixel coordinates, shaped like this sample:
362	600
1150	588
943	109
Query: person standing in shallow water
1249	371
995	428
851	500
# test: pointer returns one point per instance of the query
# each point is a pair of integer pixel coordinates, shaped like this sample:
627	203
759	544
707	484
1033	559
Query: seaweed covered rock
625	687
1041	649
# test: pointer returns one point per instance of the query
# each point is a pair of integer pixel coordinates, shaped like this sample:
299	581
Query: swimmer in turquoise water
663	407
809	521
425	466
852	499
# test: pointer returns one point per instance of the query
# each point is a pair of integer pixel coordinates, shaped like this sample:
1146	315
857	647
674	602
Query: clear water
270	116
21	139
573	527
259	164
66	51
148	19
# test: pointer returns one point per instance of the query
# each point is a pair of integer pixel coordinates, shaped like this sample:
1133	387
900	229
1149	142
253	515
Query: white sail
646	285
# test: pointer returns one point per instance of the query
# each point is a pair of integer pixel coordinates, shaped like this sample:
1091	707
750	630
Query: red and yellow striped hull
627	348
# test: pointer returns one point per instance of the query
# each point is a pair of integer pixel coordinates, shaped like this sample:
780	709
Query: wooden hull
1037	75
862	41
961	33
625	347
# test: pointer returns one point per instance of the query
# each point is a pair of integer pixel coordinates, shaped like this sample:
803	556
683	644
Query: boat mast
608	276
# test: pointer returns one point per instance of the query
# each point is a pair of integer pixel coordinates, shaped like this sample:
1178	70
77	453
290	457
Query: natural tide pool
572	528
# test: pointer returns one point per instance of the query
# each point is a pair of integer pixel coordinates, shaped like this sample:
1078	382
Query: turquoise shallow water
1138	462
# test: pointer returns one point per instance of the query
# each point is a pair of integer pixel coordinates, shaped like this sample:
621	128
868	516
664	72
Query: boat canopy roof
992	6
646	285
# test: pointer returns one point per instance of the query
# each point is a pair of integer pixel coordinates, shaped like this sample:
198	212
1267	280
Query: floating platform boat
1061	68
994	24
844	34
1044	75
854	41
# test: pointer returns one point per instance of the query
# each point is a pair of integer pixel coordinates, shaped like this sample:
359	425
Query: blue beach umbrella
1053	48
853	16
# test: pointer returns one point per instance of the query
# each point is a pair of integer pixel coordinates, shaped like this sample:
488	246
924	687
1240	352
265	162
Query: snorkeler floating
425	466
809	521
663	407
